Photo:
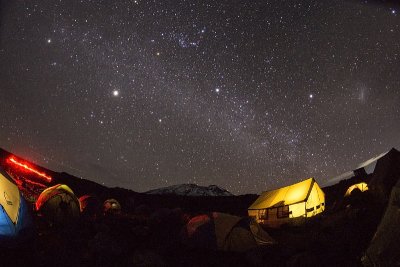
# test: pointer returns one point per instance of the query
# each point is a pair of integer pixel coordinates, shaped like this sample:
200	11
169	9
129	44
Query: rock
142	258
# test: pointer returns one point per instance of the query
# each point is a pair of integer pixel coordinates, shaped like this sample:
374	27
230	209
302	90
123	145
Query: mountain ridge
190	190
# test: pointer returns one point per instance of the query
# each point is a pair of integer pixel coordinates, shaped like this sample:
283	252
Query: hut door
263	214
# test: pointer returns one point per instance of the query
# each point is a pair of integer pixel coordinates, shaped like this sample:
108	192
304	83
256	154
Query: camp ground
350	223
290	204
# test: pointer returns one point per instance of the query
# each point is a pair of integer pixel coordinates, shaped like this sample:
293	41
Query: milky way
246	95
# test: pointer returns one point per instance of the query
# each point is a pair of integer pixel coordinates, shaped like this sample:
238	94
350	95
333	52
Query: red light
23	165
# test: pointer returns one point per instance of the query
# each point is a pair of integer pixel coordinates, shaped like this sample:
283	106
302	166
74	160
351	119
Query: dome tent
14	214
111	206
361	187
90	205
220	231
58	205
384	249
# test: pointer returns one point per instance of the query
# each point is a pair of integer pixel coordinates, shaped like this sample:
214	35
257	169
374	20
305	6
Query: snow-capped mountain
190	190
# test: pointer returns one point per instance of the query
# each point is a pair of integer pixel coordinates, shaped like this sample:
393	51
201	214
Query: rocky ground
153	238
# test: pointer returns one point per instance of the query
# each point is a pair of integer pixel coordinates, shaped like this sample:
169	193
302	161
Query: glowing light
217	90
311	96
115	93
23	165
360	186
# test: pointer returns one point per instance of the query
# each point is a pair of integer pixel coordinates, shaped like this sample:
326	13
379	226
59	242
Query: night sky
247	95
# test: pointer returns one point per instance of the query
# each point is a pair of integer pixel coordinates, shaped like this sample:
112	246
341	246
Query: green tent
225	232
58	205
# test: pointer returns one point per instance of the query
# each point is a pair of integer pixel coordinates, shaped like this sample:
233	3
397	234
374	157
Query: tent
226	232
386	175
59	205
290	204
111	206
384	249
90	206
14	213
360	186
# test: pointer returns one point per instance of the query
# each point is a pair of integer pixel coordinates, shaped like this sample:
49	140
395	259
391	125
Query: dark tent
224	232
386	175
58	205
111	206
90	206
384	249
385	185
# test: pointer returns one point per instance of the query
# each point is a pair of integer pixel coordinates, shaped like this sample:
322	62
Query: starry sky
247	95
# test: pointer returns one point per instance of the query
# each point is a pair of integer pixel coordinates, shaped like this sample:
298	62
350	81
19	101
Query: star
238	103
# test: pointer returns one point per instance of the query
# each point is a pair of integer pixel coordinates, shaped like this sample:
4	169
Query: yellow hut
285	205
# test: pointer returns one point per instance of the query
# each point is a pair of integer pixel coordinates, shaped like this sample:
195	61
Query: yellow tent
283	205
360	186
14	215
11	200
58	205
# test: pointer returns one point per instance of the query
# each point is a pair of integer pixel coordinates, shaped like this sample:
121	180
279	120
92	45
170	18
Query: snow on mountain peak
190	190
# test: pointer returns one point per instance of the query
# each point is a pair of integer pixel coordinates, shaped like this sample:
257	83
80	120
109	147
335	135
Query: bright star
115	93
217	90
48	41
311	96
